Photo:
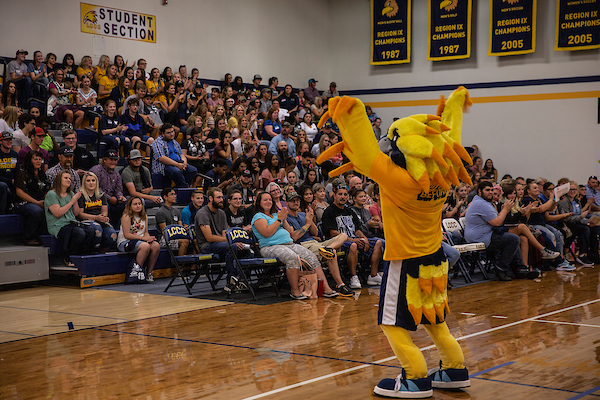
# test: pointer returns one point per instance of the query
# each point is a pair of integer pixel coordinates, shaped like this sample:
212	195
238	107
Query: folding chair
212	269
451	225
176	232
266	270
472	249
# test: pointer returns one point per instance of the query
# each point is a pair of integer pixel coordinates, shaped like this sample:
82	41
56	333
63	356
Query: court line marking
485	371
282	389
63	312
588	392
246	347
18	333
567	323
579	394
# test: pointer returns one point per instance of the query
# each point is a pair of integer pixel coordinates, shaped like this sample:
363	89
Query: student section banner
107	21
512	27
390	32
577	25
449	30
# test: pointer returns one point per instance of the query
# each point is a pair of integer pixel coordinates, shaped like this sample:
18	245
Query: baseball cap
7	135
246	173
327	125
286	124
312	80
333	84
39	130
66	151
199	84
179	83
135	154
292	195
112	154
22	51
257	76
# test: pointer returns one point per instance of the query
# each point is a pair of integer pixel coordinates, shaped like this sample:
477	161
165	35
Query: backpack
135	273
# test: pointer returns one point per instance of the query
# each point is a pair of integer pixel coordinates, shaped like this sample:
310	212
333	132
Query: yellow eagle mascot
426	157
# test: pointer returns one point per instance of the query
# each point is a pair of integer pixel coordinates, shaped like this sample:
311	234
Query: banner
390	32
449	30
577	25
512	27
106	21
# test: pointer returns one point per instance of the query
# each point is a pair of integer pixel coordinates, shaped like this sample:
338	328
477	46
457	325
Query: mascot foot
402	388
449	378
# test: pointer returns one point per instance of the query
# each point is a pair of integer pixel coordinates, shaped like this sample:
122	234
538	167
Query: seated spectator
246	189
31	187
370	225
215	176
339	219
304	232
318	109
284	136
324	144
155	85
86	68
38	73
60	101
22	136
111	185
272	173
303	166
592	194
371	114
49	143
266	110
211	224
139	94
276	196
242	141
65	162
273	232
102	68
9	96
319	203
69	69
489	171
120	93
16	72
484	224
137	129
261	155
153	115
83	159
237	215
137	180
86	100
224	150
288	100
9	120
292	179
37	138
168	215
311	92
93	208
579	223
8	170
169	101
457	202
553	237
112	130
271	126
169	160
61	207
195	150
377	128
189	212
134	238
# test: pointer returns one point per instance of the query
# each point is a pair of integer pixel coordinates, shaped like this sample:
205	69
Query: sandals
298	297
327	253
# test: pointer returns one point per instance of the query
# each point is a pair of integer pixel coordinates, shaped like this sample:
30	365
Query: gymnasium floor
521	339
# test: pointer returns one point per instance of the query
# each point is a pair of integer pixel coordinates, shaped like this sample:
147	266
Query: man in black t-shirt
244	186
8	165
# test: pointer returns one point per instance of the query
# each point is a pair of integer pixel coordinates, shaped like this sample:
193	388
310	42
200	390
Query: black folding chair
176	232
256	271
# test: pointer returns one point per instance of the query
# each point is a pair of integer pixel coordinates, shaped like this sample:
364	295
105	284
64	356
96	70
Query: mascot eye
395	132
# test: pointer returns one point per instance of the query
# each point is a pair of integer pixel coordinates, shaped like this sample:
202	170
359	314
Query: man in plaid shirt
169	160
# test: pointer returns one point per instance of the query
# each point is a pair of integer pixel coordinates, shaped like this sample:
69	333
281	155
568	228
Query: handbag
135	273
307	281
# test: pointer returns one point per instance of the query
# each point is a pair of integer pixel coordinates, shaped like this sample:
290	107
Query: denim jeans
508	245
4	195
557	242
24	91
111	142
103	236
451	254
223	249
35	220
181	178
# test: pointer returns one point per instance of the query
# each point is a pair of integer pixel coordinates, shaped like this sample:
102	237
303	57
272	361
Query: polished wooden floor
521	339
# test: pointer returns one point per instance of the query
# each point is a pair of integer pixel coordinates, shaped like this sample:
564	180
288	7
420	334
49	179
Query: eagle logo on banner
390	8
90	17
448	5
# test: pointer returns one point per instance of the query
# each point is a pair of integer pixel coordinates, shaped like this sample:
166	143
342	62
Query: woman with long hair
86	68
9	96
195	150
63	109
31	188
261	155
50	62
272	172
489	171
318	109
134	238
9	120
61	207
311	177
307	198
273	232
112	130
237	85
229	107
120	93
301	148
457	202
168	102
86	98
477	165
69	69
308	126
319	203
224	149
167	75
121	65
107	83
102	68
93	208
271	126
155	85
130	74
301	137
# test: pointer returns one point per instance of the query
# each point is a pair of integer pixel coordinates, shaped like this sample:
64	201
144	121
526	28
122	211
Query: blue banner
449	30
512	27
390	32
577	25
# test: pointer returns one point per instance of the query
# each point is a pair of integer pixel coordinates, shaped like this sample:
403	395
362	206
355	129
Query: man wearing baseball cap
245	187
138	180
331	92
37	137
8	166
111	184
16	71
256	87
284	136
311	91
65	161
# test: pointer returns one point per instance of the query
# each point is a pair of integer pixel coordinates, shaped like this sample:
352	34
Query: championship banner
577	25
512	27
449	30
106	21
390	32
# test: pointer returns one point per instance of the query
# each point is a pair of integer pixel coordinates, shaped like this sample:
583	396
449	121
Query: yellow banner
106	21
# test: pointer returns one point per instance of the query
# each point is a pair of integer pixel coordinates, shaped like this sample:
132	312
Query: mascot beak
386	10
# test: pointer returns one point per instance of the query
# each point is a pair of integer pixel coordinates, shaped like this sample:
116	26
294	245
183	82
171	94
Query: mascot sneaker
402	388
449	378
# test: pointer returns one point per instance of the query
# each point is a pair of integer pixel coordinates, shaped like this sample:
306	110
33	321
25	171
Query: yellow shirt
81	71
101	72
411	218
109	84
153	87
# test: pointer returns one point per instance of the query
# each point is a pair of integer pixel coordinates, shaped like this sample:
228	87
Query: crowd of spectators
250	151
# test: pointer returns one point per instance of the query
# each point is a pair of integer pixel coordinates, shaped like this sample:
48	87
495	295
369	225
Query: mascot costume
425	157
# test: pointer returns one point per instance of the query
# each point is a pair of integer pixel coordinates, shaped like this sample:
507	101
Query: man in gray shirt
168	215
16	72
211	224
137	180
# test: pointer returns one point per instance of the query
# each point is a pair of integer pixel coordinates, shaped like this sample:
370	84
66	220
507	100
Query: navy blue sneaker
449	378
402	388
